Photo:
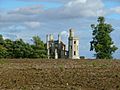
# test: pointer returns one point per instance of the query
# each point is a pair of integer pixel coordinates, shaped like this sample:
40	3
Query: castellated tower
73	45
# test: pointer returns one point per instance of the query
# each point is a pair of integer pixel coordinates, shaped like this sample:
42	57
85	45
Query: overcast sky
26	18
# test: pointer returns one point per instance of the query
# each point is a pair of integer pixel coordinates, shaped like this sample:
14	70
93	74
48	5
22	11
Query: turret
59	38
73	45
51	37
47	42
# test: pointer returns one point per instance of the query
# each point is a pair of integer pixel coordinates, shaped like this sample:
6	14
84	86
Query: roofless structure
56	49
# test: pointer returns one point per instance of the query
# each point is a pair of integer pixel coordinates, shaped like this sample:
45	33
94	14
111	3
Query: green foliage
39	48
1	40
3	52
38	43
20	49
102	43
8	44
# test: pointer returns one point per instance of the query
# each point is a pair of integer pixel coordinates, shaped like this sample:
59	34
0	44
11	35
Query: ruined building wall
57	49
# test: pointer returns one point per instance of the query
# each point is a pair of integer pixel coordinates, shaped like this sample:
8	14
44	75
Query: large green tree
102	42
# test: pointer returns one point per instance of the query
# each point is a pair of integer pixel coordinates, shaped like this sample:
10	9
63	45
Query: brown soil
59	74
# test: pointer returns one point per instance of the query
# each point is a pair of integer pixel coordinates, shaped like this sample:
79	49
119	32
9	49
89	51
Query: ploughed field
59	74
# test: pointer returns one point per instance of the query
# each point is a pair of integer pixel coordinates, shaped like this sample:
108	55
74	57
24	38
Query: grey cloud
32	10
59	1
77	9
71	10
115	10
112	0
13	18
62	1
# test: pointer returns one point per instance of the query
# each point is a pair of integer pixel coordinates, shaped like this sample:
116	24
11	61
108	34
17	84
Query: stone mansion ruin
56	49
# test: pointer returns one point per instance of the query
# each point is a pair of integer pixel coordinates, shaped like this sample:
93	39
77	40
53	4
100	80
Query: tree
102	42
39	48
38	43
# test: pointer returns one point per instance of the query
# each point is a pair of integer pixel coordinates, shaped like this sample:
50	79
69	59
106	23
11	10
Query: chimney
71	33
47	40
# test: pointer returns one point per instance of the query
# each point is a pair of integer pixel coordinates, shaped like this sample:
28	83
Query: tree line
102	44
20	49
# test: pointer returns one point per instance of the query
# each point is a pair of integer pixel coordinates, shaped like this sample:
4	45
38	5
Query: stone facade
56	49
